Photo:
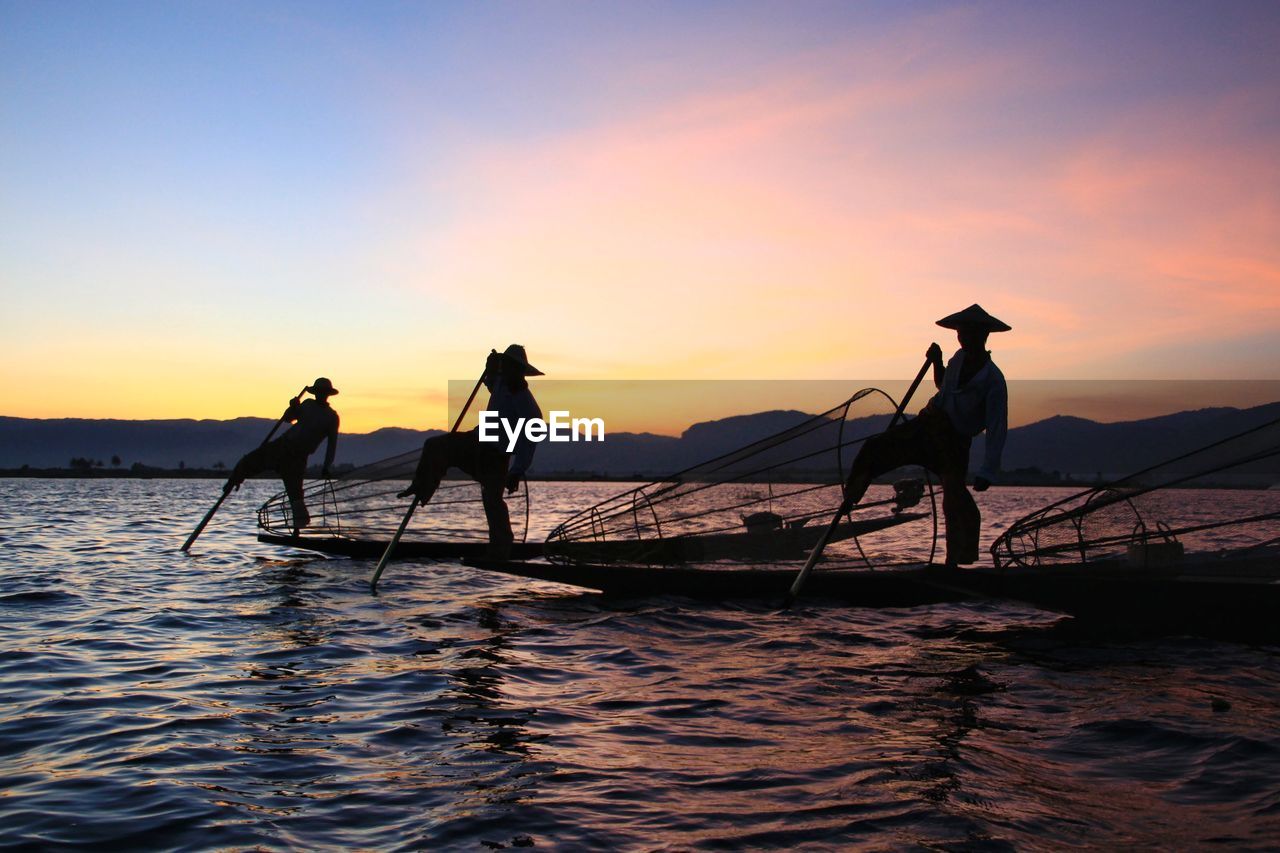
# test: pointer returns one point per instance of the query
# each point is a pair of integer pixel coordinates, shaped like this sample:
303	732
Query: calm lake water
247	696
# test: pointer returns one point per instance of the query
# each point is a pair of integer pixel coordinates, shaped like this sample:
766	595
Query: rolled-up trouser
289	461
929	440
484	462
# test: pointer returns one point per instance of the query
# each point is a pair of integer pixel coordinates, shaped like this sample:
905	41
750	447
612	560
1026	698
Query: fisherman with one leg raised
313	421
487	462
972	398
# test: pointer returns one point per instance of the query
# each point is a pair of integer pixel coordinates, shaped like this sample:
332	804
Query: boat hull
405	549
906	587
1238	601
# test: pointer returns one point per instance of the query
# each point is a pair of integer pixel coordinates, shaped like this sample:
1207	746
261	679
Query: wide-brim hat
974	317
322	388
516	353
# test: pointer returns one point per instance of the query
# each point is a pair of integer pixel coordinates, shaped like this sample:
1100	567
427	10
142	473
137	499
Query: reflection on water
253	697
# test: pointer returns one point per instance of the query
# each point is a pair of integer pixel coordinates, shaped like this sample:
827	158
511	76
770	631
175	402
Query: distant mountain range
1071	446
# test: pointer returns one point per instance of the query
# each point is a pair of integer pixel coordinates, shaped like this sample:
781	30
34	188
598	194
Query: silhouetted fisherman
972	397
313	422
487	462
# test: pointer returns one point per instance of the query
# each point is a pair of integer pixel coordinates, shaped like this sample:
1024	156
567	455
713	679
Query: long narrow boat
1161	549
372	548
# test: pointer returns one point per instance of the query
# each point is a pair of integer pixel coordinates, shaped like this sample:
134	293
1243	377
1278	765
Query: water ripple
249	697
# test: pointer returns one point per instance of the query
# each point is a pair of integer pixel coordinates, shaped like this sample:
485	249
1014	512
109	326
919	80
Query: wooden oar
821	544
208	516
413	504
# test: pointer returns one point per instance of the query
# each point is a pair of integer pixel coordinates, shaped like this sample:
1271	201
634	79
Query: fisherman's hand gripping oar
412	490
231	484
932	358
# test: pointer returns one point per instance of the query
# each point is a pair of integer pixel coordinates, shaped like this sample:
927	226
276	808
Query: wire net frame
765	502
1156	517
362	504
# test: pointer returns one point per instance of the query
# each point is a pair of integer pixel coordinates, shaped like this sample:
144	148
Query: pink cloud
819	222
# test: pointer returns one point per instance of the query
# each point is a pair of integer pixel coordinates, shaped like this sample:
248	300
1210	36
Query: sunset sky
205	205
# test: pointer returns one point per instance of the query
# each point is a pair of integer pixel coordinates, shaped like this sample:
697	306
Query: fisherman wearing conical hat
486	462
313	421
972	398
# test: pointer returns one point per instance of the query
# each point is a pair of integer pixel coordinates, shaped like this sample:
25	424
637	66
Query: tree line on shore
85	467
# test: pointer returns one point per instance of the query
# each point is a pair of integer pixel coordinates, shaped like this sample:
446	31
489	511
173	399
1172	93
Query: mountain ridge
1062	443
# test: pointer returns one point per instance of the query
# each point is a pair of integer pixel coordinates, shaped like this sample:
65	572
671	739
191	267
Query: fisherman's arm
934	354
997	431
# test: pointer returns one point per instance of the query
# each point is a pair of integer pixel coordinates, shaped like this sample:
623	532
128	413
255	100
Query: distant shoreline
1031	477
149	473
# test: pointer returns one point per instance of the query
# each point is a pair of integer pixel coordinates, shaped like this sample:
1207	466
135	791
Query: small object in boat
762	522
907	493
1155	554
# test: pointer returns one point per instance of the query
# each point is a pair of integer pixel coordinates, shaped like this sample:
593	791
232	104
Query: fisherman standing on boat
313	421
972	397
487	462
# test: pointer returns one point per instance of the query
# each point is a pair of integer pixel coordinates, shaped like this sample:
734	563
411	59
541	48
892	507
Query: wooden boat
1144	552
406	549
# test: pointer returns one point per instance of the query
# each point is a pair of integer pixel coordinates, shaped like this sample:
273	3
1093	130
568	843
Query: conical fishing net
362	505
767	501
1192	503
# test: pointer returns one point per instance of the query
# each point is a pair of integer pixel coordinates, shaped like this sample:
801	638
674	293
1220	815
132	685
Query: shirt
981	404
510	406
315	421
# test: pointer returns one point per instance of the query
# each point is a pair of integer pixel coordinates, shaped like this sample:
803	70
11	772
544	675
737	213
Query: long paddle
208	516
821	544
413	504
